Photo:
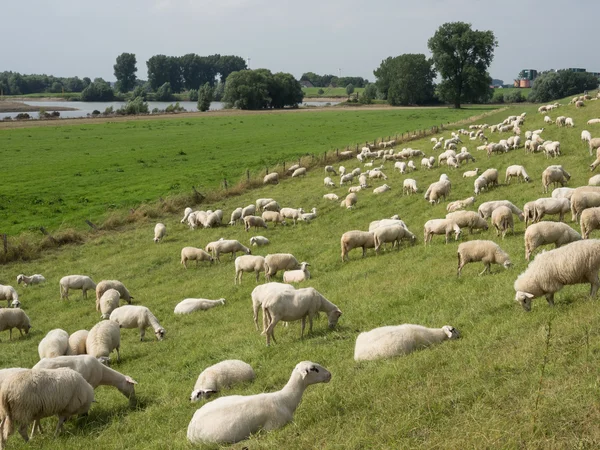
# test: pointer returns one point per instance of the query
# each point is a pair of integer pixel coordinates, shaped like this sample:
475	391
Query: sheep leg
142	334
59	425
84	294
10	334
118	355
303	322
23	431
459	266
595	283
550	299
257	274
487	269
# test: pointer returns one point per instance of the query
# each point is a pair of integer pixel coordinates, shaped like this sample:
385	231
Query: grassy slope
63	175
478	392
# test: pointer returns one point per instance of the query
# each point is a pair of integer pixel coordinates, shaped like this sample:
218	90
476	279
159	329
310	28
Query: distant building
572	69
529	74
497	83
306	84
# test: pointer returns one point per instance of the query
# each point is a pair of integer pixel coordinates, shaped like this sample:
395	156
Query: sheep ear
449	331
130	380
303	373
528	295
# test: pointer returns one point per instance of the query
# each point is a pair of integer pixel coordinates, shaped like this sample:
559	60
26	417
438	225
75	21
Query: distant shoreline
17	107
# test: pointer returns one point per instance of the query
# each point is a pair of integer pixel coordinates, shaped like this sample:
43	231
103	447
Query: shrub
320	92
514	97
193	95
175	108
95	112
135	106
23	116
164	93
108	111
205	96
349	89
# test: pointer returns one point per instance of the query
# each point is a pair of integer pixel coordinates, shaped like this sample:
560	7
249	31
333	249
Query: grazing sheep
249	210
273	216
272	178
76	343
9	294
350	201
485	209
468	219
354	239
516	172
236	216
333	197
563	192
460	204
347	178
235	418
487	252
362	181
544	233
328	182
30	395
543	206
391	233
248	263
271	206
354	189
301	171
297	276
330	169
254	221
279	261
103	338
105	285
54	344
590	221
586	137
293	168
230	246
464	157
193	253
160	231
502	219
82	282
190	305
14	318
575	263
583	198
259	241
437	190
33	279
263	291
411	165
109	302
381	189
292	213
394	220
186	214
261	202
440	226
554	175
135	316
594	144
391	341
307	217
220	376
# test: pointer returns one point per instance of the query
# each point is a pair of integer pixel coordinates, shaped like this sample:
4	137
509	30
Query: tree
554	85
462	56
406	79
125	69
349	89
285	90
164	93
247	89
368	94
159	67
205	96
97	91
228	64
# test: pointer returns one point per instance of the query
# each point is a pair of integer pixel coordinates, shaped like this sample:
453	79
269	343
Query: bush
514	97
554	85
155	111
193	95
135	106
164	93
349	89
320	92
23	116
98	91
108	111
205	96
498	97
139	91
95	112
175	108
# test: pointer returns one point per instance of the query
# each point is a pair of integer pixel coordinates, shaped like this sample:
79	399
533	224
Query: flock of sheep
71	366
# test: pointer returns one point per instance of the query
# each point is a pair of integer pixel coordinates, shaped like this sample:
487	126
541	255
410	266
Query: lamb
391	233
219	376
254	221
82	282
103	338
259	241
485	209
554	174
109	302
105	285
301	171
590	221
54	344
186	214
354	239
76	343
516	172
9	293
230	246
271	178
398	340
32	279
440	226
471	173
350	201
233	419
487	252
190	305
291	213
328	182
248	263
160	231
14	318
31	395
502	220
409	186
236	215
333	197
576	263
460	204
194	254
330	169
279	261
545	206
297	276
548	233
381	189
468	219
249	210
135	316
298	304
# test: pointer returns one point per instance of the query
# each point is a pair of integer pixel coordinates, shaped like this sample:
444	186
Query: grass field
329	92
62	175
513	380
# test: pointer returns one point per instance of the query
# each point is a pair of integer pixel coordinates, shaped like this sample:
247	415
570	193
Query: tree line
331	80
15	83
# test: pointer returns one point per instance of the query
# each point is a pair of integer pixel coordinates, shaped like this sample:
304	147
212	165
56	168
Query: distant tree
554	85
285	90
159	71
320	92
462	56
247	89
125	69
164	93
97	91
139	91
205	96
196	71
193	93
219	91
86	82
406	79
349	89
368	95
75	84
228	64
56	87
515	96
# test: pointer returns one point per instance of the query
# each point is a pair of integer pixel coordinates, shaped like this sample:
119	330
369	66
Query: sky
83	38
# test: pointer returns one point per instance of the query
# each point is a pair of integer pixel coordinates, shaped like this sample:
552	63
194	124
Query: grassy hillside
60	176
328	92
513	380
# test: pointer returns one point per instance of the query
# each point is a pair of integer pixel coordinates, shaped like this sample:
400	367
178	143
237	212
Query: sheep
236	216
347	178
271	206
394	220
491	176
551	148
292	213
560	121
516	172
356	171
233	419
425	162
186	214
594	144
445	155
401	166
219	376
293	167
579	104
14	318
398	340
262	292
105	285
590	221
76	343
545	206
32	279
307	217
82	282
342	170
576	263
354	189
440	226
259	241
362	181
330	169
194	254
391	233
548	233
273	216
547	120
297	276
271	178
485	209
502	220
103	338
135	316
9	294
381	189
563	192
471	173
190	305
254	221
586	137
160	231
377	174
109	302
301	171
409	186
350	201
583	198
437	190
33	394
230	246
249	210
328	182
468	219
554	174
333	197
460	204
248	263
411	165
279	261
487	252
593	121
297	304
354	239
213	220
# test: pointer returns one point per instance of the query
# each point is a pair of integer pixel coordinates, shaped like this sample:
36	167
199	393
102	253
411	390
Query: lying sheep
377	174
235	418
328	182
103	338
194	254
391	234
333	197
279	261
76	343
254	221
409	186
516	172
440	226
32	279
14	318
487	252
468	219
82	282
160	231
271	178
54	344
109	302
590	221
398	340
220	376
381	189
575	263
9	294
248	263
460	204
354	239
140	317
229	246
544	233
190	305
259	241
350	201
105	285
485	209
502	219
296	276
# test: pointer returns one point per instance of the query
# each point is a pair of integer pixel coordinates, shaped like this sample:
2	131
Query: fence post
337	153
5	242
225	183
247	175
284	166
267	169
91	225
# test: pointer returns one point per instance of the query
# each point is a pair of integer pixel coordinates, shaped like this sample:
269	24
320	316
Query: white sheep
485	209
279	261
259	241
248	263
569	122
254	221
584	197
437	190
502	219
551	206
76	343
249	210
271	178
301	171
54	344
9	294
347	178
397	340
377	174
263	291
354	189
586	137
333	197
392	234
14	318
109	302
409	186
563	192
328	182
229	246
140	317
516	172
297	276
468	219
487	252
544	233
307	217
381	189
460	204
350	201
271	206
354	239
220	376
103	338
194	254
186	214
401	166
575	263
236	216
32	279
594	181
292	213
82	282
190	305
363	181
440	226
471	173
589	221
160	231
394	220
274	217
330	169
554	174
235	418
105	285
593	121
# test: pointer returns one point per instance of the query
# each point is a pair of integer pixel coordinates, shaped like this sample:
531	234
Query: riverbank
13	106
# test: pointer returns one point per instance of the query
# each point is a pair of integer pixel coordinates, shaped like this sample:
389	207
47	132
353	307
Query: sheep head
451	332
524	298
312	373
